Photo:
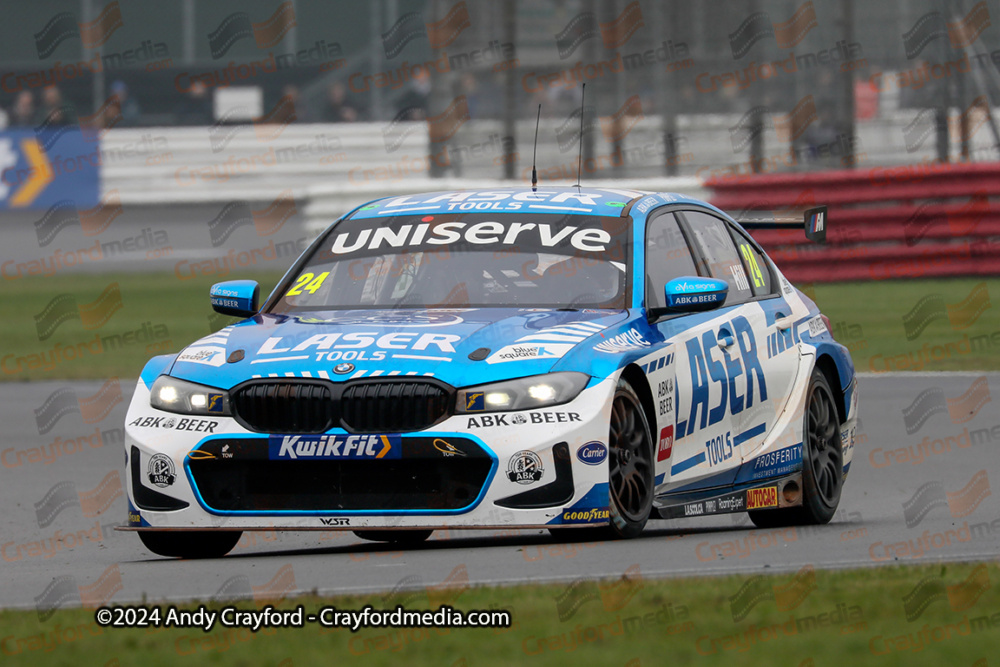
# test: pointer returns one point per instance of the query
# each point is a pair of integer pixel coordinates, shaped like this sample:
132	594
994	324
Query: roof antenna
534	174
579	160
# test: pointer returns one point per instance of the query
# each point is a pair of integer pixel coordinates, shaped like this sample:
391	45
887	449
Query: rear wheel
822	463
397	536
190	543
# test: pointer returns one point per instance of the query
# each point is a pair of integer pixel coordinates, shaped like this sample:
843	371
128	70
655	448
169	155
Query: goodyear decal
135	518
592	515
591	508
475	401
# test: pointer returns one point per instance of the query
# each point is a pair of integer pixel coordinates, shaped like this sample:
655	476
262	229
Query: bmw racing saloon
560	358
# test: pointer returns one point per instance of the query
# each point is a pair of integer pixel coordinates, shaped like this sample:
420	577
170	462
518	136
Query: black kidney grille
314	406
285	407
392	407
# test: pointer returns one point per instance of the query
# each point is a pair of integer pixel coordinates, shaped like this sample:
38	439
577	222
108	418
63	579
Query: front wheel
190	543
630	476
822	463
630	460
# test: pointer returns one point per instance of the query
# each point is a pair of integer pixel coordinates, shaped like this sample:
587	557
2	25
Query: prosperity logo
65	591
960	33
960	596
756	589
960	503
584	26
238	26
64	25
266	221
63	308
932	401
64	401
756	120
758	25
64	213
64	495
961	315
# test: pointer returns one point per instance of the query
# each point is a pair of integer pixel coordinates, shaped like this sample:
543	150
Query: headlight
188	398
538	391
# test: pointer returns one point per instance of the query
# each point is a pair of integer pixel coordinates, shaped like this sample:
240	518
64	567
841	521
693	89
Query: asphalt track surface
882	518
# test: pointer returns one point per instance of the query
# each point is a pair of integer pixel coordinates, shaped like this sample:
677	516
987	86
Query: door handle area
725	339
784	322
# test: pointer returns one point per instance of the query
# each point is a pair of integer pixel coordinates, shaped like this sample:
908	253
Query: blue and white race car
514	358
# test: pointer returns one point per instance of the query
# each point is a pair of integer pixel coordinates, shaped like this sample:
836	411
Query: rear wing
813	220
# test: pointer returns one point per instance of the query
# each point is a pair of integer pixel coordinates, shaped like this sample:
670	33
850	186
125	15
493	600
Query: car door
771	318
690	379
761	377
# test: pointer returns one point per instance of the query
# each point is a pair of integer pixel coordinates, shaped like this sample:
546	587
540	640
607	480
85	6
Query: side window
667	257
711	235
757	268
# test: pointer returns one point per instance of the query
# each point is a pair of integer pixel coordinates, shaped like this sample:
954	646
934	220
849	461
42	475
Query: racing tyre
630	462
630	481
822	463
397	536
190	543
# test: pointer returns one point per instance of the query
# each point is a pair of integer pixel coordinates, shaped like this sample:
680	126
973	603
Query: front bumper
490	470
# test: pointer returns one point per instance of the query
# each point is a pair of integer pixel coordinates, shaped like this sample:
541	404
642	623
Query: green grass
171	313
867	317
845	617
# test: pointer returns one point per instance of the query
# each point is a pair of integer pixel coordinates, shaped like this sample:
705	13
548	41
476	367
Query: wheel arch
637	379
828	367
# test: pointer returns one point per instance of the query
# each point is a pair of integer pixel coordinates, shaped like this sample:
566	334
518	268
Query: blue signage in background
39	168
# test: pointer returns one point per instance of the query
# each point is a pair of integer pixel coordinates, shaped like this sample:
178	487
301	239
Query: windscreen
465	260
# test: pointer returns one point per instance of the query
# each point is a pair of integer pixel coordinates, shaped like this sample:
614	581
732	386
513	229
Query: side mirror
691	294
238	298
